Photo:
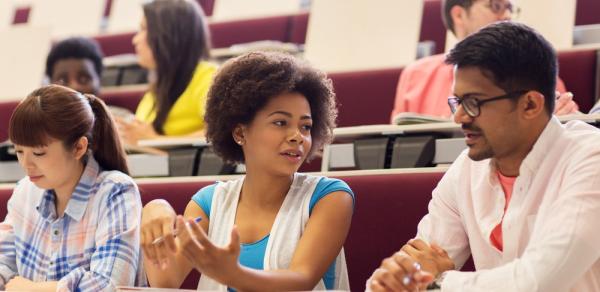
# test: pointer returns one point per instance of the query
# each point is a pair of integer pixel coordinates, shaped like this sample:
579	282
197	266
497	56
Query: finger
234	243
571	107
409	267
148	248
418	244
398	267
159	248
193	251
423	278
187	236
375	286
169	236
410	250
200	235
182	235
387	280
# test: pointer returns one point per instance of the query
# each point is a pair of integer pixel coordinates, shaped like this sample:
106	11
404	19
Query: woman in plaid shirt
73	221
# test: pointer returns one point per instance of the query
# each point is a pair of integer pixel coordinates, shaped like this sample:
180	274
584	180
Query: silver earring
240	142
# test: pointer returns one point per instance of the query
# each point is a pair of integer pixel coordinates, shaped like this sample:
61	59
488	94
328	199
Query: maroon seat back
125	99
365	97
225	34
587	12
388	209
298	28
4	197
578	70
432	25
116	44
6	110
207	5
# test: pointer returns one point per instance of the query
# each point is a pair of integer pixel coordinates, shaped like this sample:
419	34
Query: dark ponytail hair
64	114
179	39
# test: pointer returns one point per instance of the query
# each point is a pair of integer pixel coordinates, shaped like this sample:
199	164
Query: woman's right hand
158	220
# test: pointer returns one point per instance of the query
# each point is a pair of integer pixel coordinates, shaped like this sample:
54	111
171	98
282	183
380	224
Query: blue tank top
252	254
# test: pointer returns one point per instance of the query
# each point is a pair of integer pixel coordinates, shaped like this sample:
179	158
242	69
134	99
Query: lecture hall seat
223	34
432	25
6	110
587	12
124	99
578	70
365	97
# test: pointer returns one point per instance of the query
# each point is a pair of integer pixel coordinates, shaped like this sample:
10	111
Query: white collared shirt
551	229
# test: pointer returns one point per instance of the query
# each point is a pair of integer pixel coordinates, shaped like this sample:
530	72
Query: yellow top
187	114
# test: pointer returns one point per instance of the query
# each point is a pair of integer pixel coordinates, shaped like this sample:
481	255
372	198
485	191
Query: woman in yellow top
173	44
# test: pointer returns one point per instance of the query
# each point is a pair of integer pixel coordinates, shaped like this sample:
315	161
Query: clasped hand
412	268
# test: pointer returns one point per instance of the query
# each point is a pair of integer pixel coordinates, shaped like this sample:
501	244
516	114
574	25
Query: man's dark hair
244	85
514	56
447	6
75	48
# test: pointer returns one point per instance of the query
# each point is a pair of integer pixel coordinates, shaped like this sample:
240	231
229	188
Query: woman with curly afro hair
274	228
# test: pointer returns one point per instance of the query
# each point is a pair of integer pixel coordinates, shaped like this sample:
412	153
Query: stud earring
240	142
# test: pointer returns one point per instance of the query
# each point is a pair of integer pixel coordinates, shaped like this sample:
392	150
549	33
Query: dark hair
75	48
64	114
178	38
514	55
447	6
244	85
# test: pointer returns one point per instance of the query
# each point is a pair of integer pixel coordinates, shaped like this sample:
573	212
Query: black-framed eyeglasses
472	105
499	7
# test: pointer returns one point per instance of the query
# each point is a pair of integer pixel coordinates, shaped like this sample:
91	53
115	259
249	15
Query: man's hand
432	258
565	104
400	272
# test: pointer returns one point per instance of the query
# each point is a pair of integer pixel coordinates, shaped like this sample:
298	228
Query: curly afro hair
244	85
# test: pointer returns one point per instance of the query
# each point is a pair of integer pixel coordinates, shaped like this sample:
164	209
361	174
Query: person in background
273	229
524	199
425	85
73	222
173	43
76	63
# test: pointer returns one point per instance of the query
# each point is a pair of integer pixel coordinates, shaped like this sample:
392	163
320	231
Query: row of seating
22	13
284	28
292	28
585	12
578	69
384	217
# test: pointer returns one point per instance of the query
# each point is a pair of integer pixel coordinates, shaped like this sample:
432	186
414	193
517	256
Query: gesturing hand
218	263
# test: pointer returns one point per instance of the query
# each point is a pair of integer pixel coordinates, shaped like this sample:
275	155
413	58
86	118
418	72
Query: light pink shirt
551	229
425	85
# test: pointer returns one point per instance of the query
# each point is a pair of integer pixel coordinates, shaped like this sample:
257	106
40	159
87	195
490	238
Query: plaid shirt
93	247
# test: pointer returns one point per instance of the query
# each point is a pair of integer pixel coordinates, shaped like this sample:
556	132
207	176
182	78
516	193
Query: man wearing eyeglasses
424	86
524	199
